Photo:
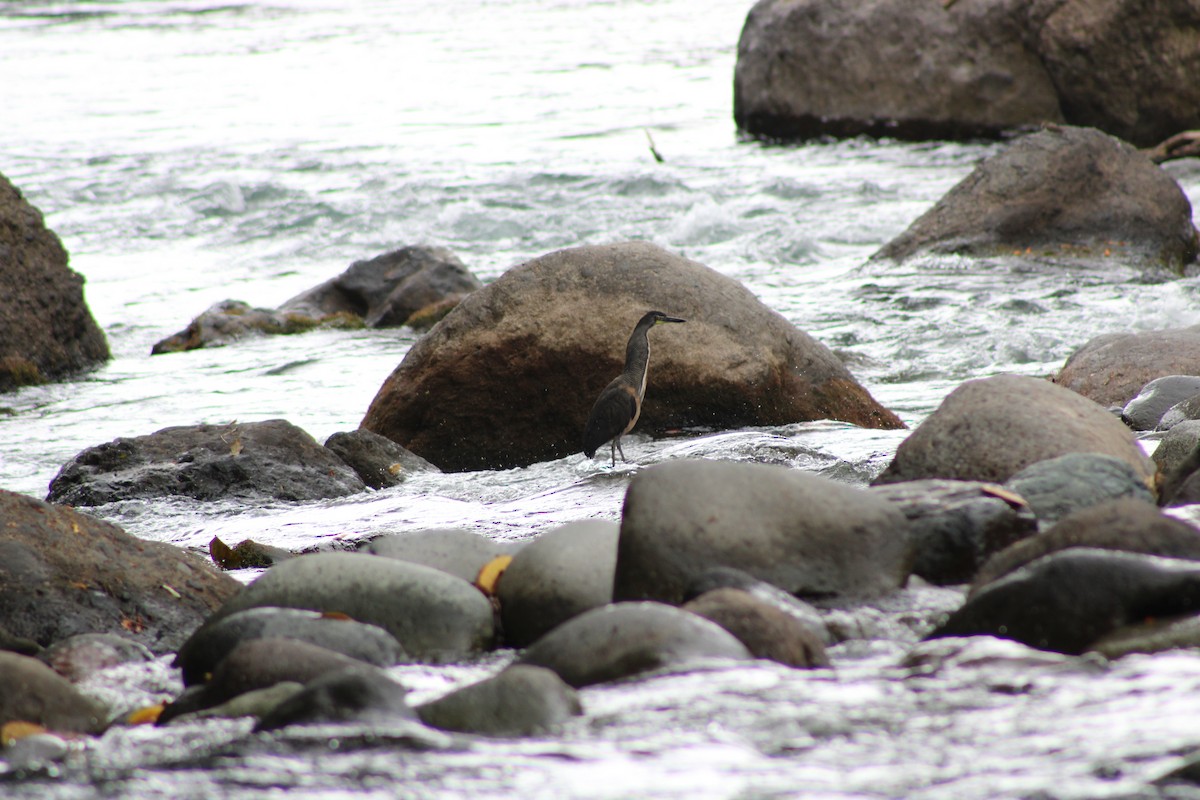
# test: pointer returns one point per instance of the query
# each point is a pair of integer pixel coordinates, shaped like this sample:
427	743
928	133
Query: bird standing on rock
617	408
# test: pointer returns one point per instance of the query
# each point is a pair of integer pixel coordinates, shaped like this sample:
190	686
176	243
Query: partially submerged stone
356	693
765	630
32	692
521	700
379	461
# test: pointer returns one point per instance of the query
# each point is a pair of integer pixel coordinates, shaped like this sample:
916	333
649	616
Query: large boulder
808	535
46	329
922	70
64	573
989	429
1063	193
508	378
272	459
905	68
434	615
1112	368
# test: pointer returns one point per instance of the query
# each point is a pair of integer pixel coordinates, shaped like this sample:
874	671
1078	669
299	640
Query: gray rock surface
1178	460
356	693
35	693
1144	411
379	461
522	700
803	533
765	630
454	550
1060	486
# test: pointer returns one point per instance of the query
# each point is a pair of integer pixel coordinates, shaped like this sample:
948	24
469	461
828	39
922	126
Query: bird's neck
637	360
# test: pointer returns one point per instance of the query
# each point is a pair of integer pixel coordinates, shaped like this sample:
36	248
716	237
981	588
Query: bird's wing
615	409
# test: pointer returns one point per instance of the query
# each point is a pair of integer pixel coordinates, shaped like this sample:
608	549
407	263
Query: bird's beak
669	319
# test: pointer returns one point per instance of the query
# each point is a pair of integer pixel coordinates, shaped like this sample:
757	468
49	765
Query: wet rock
46	328
453	550
1059	486
1187	410
508	378
561	574
359	693
1125	524
258	664
80	656
64	573
816	68
808	535
521	700
992	428
1144	411
388	289
228	321
1150	636
35	751
1178	460
1112	368
35	693
434	615
272	459
254	703
379	461
205	648
766	631
1066	601
1066	193
729	578
246	554
810	68
18	644
626	639
956	525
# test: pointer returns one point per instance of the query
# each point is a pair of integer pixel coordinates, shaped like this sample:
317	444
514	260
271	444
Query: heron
617	408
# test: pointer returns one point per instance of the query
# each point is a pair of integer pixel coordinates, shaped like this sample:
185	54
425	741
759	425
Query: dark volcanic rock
434	615
561	574
205	462
388	289
903	68
625	639
956	525
64	573
521	700
803	533
1066	601
1060	486
35	693
230	320
1112	368
1064	193
453	550
992	428
379	461
1126	524
46	329
1144	411
205	648
508	378
358	693
765	630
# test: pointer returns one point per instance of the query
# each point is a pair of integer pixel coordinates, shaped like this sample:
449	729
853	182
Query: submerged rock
765	630
956	525
1066	601
1060	486
379	461
454	550
626	639
1066	193
64	573
992	428
508	378
1112	368
272	459
205	648
228	321
1125	524
81	656
434	615
32	692
46	328
521	700
561	574
358	693
808	535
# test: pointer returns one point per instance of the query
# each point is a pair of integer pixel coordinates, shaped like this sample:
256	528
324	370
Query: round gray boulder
1144	411
356	693
508	378
803	533
1112	368
1178	460
561	574
522	700
1186	410
35	693
1060	486
453	550
626	639
765	630
434	615
992	428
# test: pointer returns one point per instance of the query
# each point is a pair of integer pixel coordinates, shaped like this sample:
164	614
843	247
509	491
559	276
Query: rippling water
188	153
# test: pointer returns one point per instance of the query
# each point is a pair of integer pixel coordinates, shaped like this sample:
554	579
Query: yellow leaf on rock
489	575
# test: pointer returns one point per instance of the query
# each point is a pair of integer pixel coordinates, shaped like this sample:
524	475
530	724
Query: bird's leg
619	450
613	447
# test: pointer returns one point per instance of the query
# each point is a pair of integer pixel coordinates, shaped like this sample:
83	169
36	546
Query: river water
189	152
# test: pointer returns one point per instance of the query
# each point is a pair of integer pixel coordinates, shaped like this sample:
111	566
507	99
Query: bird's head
658	317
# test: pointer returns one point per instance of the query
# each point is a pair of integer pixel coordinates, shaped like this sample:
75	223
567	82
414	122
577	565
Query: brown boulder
507	378
992	428
1112	368
64	573
46	329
